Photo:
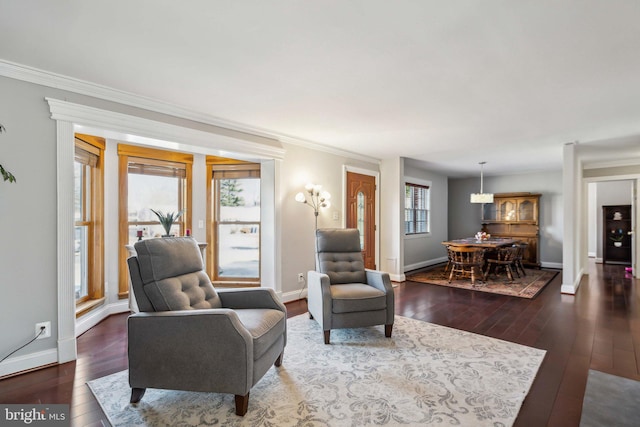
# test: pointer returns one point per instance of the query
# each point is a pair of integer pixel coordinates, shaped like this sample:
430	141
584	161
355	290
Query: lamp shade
481	198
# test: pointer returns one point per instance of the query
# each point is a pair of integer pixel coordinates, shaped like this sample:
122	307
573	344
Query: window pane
416	215
360	217
80	260
148	192
408	196
239	250
240	200
78	191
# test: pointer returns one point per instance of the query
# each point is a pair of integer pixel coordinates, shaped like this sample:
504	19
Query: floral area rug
425	375
525	286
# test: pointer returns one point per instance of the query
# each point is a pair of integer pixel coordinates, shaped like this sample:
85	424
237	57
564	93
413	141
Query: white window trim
417	181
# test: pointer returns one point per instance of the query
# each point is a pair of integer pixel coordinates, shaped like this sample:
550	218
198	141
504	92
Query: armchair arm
250	298
190	350
381	280
319	298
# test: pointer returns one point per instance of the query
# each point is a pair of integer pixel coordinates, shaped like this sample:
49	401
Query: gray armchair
342	294
187	336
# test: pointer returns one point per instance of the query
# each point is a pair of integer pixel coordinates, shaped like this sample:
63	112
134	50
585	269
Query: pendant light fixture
481	197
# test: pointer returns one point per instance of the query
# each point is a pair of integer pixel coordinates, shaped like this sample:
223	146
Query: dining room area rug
525	286
425	374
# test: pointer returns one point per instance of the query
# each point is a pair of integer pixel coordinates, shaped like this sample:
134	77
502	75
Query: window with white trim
416	209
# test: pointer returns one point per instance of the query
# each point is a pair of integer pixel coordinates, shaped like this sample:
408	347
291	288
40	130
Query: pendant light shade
481	197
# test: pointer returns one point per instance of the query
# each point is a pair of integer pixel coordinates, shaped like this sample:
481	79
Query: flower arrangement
481	235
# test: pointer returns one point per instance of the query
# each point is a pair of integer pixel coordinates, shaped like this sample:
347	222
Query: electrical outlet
300	277
47	329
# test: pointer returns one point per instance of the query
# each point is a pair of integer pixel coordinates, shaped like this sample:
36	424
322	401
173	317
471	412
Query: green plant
6	175
167	220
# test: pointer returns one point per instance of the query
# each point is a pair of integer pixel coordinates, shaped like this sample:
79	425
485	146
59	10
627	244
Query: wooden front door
361	203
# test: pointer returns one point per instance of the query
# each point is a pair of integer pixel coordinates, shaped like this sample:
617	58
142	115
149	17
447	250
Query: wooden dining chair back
466	262
503	259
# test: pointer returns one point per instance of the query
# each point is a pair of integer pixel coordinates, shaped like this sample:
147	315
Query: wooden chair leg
278	361
487	272
522	268
515	269
242	404
453	269
136	394
327	336
509	273
387	330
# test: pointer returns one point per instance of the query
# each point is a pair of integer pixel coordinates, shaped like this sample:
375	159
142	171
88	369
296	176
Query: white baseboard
94	317
397	277
29	361
293	295
591	254
572	288
598	260
423	264
67	350
555	265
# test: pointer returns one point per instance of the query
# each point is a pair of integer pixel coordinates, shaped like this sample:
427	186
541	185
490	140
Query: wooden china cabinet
515	216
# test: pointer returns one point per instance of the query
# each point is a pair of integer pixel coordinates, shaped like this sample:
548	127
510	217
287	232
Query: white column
391	214
570	244
66	301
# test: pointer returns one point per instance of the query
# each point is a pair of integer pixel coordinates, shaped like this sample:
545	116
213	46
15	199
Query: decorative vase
617	244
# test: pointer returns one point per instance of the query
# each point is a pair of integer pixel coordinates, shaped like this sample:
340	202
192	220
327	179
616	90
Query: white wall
592	219
301	166
28	266
465	218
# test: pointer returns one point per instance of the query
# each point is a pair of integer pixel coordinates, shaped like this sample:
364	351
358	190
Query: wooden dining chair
503	259
517	262
466	261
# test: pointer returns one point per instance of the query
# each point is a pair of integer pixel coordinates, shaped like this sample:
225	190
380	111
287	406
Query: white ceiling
448	82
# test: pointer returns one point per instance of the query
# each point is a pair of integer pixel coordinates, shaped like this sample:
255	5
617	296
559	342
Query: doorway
361	213
606	240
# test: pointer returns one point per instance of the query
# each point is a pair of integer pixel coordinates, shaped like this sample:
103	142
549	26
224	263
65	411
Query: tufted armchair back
169	275
338	255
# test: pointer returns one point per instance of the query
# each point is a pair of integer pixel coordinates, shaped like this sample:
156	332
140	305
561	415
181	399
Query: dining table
491	243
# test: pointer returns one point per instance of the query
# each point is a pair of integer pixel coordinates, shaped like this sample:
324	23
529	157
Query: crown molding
178	137
611	164
325	148
82	87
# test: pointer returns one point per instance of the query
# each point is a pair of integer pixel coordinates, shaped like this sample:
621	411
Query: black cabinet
616	227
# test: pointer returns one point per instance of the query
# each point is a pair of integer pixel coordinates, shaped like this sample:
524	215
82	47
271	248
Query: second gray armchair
342	293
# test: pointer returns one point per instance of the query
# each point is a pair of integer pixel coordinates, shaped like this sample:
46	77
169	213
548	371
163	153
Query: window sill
85	307
225	284
416	236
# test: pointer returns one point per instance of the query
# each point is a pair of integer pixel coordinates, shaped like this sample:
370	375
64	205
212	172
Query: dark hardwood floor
599	328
